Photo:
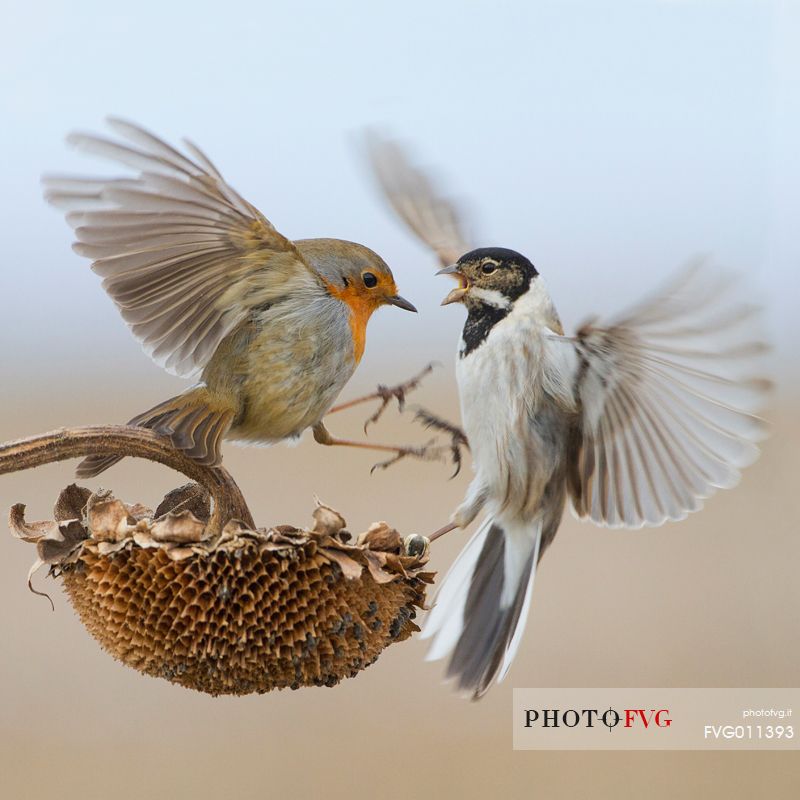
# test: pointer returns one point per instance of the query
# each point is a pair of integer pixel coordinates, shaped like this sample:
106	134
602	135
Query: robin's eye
488	268
370	281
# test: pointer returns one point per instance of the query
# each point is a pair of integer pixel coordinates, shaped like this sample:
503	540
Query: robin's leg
426	452
385	394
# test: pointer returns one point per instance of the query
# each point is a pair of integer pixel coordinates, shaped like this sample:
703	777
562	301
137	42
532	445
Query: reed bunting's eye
370	281
488	268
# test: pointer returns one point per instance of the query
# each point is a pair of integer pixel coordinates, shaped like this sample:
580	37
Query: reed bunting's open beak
457	295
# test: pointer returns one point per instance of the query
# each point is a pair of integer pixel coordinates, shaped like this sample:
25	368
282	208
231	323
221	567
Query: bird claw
430	451
398	392
458	438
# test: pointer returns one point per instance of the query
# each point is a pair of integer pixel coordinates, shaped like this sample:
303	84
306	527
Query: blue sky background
610	142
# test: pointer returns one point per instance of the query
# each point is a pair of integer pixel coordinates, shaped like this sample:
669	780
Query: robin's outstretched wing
666	394
184	257
410	192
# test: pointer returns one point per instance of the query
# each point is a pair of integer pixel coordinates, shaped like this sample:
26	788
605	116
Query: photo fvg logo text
655	719
571	718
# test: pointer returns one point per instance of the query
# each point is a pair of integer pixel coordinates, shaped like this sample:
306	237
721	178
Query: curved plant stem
123	440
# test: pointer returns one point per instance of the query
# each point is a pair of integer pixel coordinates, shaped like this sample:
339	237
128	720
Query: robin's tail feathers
480	611
194	422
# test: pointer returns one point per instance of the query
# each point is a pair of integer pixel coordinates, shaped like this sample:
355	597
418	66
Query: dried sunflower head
240	612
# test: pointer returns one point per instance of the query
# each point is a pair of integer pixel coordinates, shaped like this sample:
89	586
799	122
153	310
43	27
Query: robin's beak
457	295
401	302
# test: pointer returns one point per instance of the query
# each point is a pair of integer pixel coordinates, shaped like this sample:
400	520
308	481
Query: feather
171	243
668	400
433	218
480	612
194	421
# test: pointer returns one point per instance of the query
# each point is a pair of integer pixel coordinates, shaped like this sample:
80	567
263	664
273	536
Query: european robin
274	328
634	421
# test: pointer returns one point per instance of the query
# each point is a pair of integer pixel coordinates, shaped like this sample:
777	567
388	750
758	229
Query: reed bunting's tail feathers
480	611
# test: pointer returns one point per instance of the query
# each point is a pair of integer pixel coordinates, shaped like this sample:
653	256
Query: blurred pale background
610	142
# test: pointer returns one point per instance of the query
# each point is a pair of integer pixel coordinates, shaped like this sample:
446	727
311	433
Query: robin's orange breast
361	308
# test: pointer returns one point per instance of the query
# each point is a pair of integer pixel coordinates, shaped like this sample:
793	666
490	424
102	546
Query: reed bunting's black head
490	275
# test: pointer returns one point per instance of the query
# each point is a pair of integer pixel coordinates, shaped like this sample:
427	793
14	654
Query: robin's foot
386	394
458	438
430	451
